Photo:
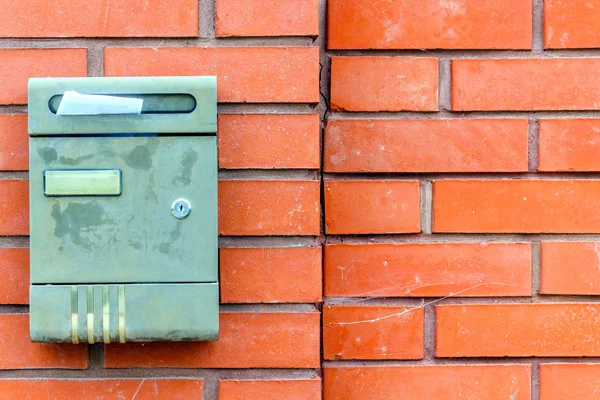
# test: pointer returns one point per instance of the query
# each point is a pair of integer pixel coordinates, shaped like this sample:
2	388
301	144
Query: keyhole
181	208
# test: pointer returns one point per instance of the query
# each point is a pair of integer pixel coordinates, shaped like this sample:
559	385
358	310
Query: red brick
100	389
269	141
426	145
244	74
439	382
404	24
14	207
526	84
518	330
570	268
384	84
271	275
571	24
308	389
251	208
246	340
14	147
267	18
14	276
428	269
91	18
569	381
527	206
569	145
18	352
18	65
381	206
372	333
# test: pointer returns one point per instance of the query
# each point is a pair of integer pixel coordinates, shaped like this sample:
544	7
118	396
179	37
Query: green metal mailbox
123	212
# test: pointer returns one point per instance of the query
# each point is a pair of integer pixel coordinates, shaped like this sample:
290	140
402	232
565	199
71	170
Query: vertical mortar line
429	333
426	206
535	380
95	59
95	356
538	27
444	85
324	111
532	144
206	19
210	387
535	268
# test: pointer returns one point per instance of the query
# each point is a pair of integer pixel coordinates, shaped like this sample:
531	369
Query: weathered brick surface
246	340
309	389
359	207
408	208
18	65
441	382
427	269
372	333
271	275
411	145
525	84
106	389
518	330
267	18
244	74
527	206
90	18
384	84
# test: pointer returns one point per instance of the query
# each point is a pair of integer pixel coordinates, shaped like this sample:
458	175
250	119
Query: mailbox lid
132	237
195	97
126	313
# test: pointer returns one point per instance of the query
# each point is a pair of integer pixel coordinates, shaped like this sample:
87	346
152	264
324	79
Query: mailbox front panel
131	237
124	235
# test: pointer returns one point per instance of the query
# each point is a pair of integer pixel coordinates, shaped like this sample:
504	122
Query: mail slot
123	208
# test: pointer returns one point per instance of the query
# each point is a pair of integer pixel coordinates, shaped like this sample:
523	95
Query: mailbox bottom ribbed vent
124	312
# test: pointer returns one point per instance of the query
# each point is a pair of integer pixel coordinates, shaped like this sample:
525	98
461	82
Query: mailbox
123	212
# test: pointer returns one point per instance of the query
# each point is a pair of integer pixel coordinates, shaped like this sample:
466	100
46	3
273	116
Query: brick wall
409	197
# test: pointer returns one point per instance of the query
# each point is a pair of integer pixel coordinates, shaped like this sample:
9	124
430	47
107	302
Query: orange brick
269	208
384	84
14	276
404	24
428	269
372	333
381	206
569	145
18	65
571	24
526	84
269	141
244	74
426	145
570	268
439	382
91	18
308	389
246	340
100	389
267	18
527	206
518	330
14	147
271	275
569	381
14	207
18	352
